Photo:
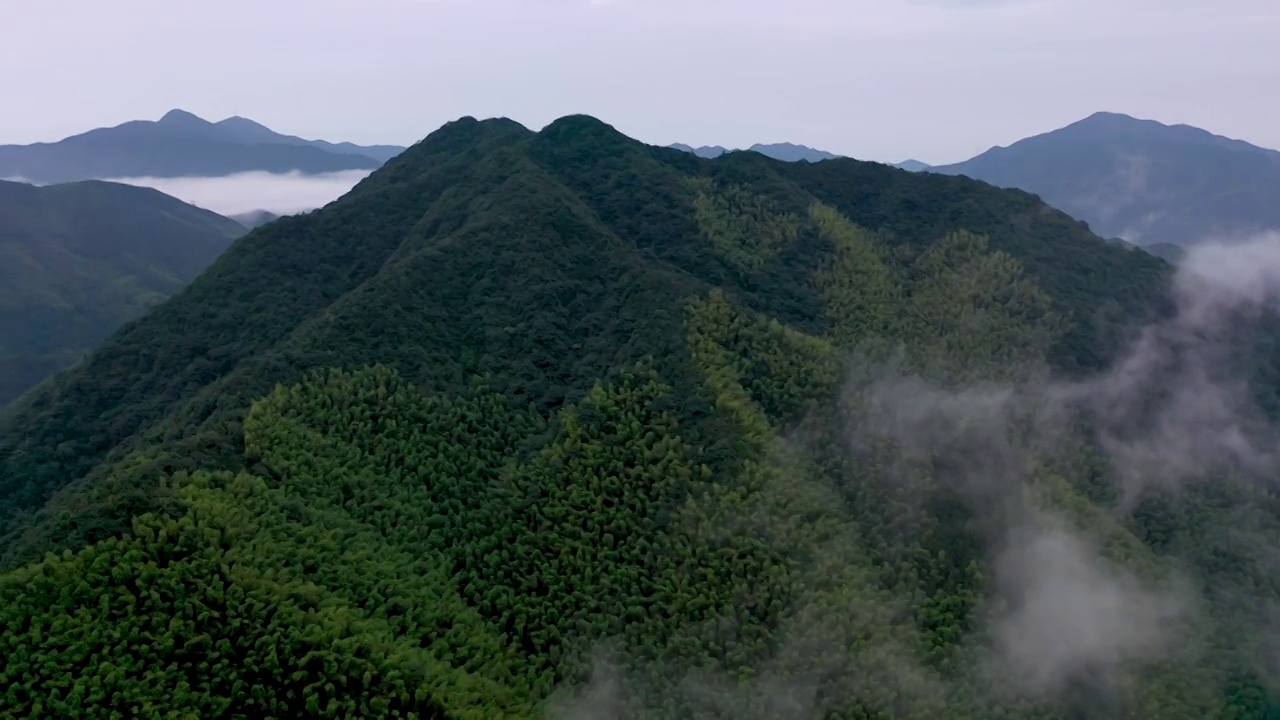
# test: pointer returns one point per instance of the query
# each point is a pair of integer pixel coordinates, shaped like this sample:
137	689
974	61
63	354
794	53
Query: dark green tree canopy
558	424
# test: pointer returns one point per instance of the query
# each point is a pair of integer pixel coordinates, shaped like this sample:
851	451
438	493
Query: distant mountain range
787	152
1161	187
1141	180
181	144
79	260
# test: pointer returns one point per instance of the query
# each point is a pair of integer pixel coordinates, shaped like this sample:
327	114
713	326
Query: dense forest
81	259
562	425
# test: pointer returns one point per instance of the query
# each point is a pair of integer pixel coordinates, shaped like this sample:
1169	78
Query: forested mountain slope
559	424
79	260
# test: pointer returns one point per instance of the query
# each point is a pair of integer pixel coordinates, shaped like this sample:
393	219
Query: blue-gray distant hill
181	144
1141	180
787	152
914	165
254	218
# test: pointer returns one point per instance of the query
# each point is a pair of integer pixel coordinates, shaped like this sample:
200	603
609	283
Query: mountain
789	152
248	132
559	424
255	218
1141	180
82	259
703	151
181	144
786	152
913	165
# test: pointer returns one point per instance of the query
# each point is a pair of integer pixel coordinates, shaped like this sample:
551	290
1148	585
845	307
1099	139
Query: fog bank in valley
281	194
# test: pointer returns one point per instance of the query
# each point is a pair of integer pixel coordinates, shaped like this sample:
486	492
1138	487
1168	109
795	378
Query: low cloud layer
1178	403
1061	613
1073	616
241	193
1176	407
281	194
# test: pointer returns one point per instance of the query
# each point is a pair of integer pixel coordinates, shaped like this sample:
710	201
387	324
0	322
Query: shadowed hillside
80	260
562	425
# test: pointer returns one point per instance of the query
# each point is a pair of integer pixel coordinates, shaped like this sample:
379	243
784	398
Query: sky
935	80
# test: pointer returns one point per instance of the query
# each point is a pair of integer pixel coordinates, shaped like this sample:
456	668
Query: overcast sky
938	80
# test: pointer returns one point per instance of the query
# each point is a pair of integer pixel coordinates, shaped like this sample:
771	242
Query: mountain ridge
1141	180
913	165
181	144
481	136
785	151
533	424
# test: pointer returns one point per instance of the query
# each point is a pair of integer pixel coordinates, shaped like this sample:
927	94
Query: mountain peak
468	128
791	152
1114	121
1141	179
913	165
1108	116
233	121
584	135
178	116
579	125
1115	126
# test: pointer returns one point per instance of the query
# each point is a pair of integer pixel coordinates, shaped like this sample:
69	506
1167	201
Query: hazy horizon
729	146
934	80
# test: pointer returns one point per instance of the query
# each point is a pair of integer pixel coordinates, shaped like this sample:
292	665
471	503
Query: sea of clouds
277	193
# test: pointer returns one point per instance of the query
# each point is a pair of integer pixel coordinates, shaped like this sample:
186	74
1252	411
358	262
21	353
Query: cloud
282	194
1072	607
1073	615
1175	408
1061	613
1178	403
